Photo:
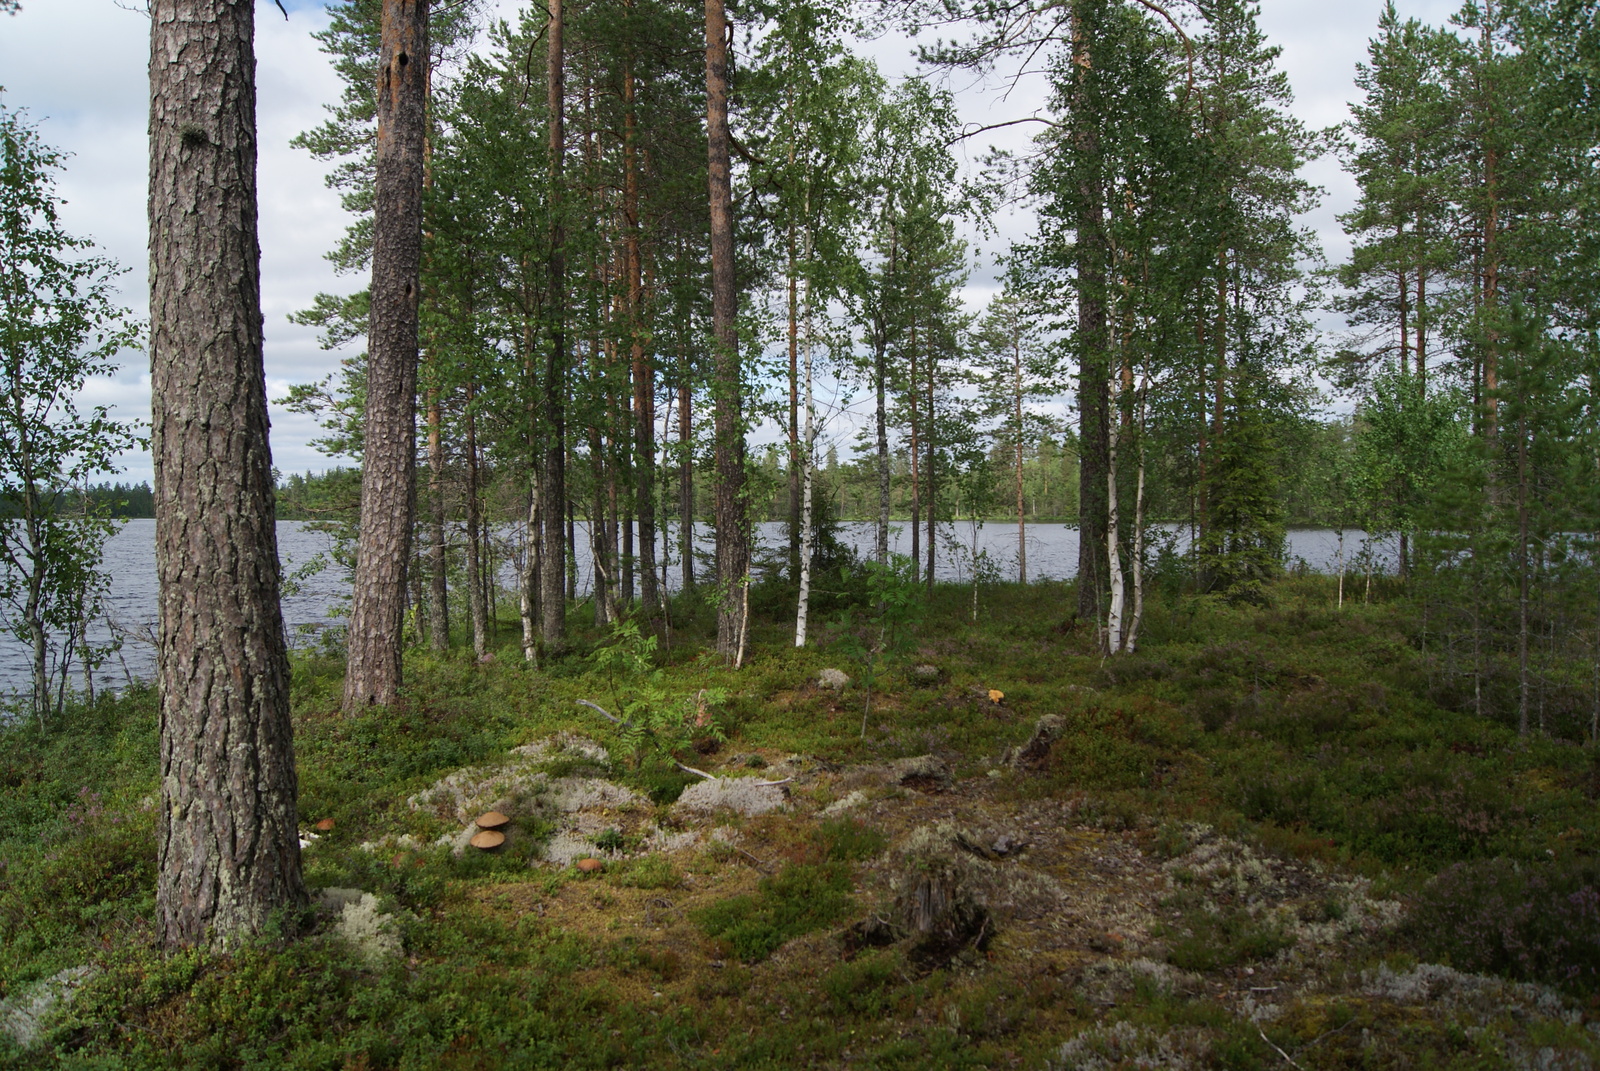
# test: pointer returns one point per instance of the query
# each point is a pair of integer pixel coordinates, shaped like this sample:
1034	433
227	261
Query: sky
78	68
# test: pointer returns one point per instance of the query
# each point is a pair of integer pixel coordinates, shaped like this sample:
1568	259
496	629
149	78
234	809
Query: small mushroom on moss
590	865
996	695
493	820
487	839
325	825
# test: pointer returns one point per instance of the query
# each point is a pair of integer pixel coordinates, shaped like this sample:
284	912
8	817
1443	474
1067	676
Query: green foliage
846	840
797	900
1209	939
655	717
1241	548
649	872
879	636
59	326
1537	922
1407	438
865	985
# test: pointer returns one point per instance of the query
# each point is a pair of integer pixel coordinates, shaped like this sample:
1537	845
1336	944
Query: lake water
131	606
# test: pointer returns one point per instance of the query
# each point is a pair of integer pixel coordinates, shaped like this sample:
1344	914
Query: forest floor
1265	841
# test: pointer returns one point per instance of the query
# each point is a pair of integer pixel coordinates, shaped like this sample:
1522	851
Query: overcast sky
78	68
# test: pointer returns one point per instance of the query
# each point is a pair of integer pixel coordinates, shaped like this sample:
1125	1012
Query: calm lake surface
130	561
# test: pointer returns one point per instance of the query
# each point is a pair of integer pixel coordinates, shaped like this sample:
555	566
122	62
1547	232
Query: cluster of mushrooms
490	833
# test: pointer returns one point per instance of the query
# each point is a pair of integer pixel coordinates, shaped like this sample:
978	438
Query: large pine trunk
732	542
388	490
227	840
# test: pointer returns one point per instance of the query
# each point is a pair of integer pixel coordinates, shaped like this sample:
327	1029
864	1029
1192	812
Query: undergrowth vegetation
1310	733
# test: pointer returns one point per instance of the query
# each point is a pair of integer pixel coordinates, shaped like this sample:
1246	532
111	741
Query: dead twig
761	865
603	712
1280	1052
691	769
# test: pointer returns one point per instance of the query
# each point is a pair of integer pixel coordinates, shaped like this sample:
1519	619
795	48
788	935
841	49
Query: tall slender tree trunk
1489	300
1113	633
1022	522
1093	357
599	557
644	383
32	610
622	487
930	438
1524	572
733	557
438	591
795	460
1132	640
553	539
916	462
388	486
802	617
880	377
228	848
686	477
528	578
438	565
477	596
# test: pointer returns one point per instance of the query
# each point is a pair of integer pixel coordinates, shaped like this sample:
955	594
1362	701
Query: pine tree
228	846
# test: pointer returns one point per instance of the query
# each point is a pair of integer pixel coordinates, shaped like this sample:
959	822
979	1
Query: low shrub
795	901
1538	923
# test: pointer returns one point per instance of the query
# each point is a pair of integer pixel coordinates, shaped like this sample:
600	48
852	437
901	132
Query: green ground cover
1299	742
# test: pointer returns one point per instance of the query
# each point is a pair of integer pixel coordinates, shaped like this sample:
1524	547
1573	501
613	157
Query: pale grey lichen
741	795
372	933
27	1016
835	679
1435	985
1123	1045
840	806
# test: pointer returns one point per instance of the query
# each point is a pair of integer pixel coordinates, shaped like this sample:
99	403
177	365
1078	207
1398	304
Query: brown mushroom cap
590	865
324	825
492	820
487	839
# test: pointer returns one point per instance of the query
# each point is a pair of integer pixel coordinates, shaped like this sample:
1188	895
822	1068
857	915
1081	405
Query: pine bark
553	471
388	487
732	542
228	846
1093	364
644	383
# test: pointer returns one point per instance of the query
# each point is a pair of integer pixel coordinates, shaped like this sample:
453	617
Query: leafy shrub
795	901
845	839
651	872
864	985
1537	923
1209	941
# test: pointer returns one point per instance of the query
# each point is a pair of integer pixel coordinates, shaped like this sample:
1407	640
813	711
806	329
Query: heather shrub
1538	923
